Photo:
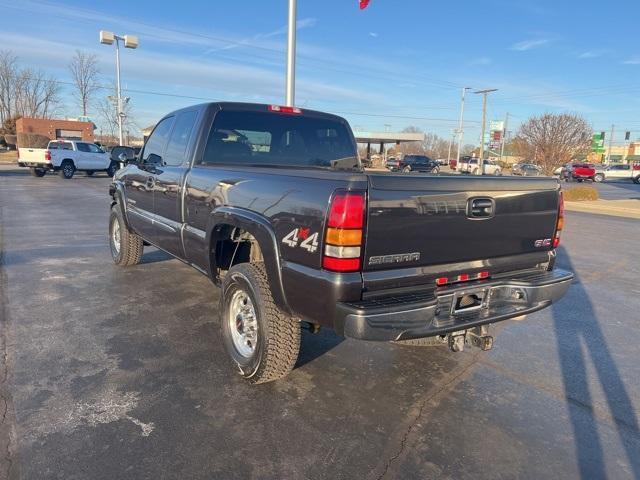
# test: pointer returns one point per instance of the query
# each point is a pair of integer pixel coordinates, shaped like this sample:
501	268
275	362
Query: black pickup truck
272	204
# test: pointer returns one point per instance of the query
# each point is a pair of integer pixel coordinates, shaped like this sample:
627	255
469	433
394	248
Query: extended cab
66	157
273	205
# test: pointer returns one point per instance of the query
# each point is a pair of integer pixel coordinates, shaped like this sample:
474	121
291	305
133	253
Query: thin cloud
373	34
480	61
635	60
591	54
530	44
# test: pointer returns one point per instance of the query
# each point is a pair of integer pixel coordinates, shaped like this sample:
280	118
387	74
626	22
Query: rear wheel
435	170
126	247
67	169
37	172
262	340
406	169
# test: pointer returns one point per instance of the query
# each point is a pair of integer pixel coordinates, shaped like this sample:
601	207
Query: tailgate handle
480	208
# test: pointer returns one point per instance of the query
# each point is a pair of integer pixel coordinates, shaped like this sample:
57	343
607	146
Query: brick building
54	129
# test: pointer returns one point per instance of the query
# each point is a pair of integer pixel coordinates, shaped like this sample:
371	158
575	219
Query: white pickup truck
66	157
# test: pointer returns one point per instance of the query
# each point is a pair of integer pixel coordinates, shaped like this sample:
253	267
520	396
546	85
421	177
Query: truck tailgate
32	154
423	220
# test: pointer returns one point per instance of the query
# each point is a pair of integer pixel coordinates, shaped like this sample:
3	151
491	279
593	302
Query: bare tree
552	139
432	145
84	71
8	75
36	94
109	118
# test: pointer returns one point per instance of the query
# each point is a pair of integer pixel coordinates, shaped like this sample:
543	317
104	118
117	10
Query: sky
397	63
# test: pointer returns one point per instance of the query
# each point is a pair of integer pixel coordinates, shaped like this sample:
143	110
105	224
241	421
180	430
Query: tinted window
94	148
158	139
82	147
180	138
60	146
260	138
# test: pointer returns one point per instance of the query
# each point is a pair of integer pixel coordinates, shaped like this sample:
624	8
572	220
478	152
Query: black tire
599	177
113	168
90	173
129	252
436	341
277	335
406	169
636	179
67	169
435	170
37	172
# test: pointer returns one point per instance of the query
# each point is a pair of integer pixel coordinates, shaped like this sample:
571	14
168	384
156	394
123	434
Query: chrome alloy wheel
115	235
243	324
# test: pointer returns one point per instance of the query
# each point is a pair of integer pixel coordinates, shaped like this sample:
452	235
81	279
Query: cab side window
82	147
158	140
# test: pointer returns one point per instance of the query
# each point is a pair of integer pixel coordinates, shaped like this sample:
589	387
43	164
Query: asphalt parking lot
119	373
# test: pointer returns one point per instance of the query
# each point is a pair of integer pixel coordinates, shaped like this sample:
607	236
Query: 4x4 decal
303	238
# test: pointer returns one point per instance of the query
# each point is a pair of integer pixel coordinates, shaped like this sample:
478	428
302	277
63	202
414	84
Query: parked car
580	172
490	167
621	171
442	161
526	170
414	163
463	164
273	205
453	164
66	157
129	152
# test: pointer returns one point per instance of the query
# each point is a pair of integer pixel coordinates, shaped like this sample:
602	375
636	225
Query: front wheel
262	340
636	179
37	172
435	170
406	169
126	247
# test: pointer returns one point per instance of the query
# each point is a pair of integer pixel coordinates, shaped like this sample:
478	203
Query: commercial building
57	129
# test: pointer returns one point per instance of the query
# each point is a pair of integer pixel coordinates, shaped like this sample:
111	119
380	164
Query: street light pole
119	111
461	124
130	41
291	55
613	129
484	125
504	135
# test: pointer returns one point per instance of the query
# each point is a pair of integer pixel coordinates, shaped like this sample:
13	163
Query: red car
580	172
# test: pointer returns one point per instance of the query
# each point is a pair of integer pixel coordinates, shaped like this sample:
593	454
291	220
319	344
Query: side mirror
154	160
122	158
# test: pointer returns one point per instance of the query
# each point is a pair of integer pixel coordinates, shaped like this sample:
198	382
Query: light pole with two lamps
130	41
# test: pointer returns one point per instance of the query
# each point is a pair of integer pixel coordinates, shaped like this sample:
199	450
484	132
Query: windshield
274	139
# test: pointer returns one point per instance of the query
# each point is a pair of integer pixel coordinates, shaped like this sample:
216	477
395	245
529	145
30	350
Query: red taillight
560	222
47	155
347	210
343	238
442	281
284	109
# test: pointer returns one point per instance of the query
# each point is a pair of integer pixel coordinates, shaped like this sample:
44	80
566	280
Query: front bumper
430	313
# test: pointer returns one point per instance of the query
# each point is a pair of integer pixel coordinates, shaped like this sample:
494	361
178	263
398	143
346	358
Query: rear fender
260	227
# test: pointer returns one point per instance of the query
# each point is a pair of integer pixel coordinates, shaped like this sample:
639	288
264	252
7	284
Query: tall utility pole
613	128
504	135
484	125
453	136
291	55
461	124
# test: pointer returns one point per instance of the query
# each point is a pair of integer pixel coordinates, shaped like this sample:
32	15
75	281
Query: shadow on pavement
571	336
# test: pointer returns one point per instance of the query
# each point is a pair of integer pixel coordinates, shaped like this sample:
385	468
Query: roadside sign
597	143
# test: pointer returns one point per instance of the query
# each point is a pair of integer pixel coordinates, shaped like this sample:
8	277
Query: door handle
151	183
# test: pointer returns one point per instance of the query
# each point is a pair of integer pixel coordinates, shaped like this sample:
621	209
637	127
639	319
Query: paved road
118	373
